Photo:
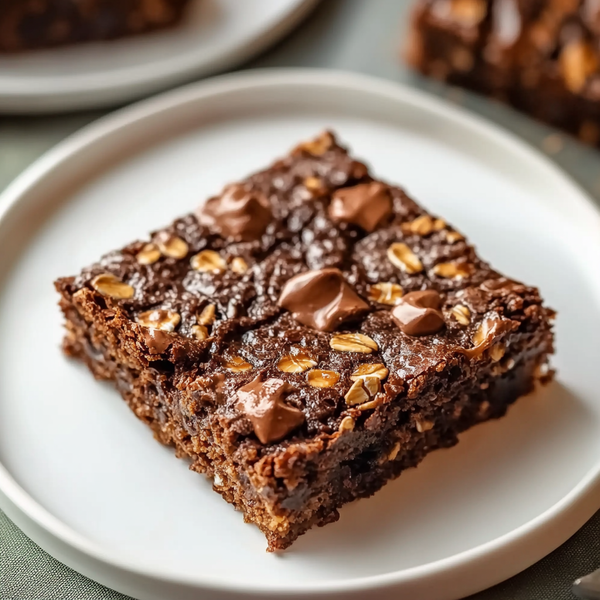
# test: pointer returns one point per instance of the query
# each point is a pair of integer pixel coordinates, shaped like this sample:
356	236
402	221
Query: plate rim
555	524
93	92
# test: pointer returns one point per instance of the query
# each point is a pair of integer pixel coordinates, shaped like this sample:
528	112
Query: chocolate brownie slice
542	57
307	335
33	24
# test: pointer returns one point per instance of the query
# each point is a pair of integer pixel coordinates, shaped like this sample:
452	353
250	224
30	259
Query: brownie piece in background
541	56
307	335
34	24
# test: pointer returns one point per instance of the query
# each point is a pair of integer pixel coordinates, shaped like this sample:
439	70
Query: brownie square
307	335
542	57
34	24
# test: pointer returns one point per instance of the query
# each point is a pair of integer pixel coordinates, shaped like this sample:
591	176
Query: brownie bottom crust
285	498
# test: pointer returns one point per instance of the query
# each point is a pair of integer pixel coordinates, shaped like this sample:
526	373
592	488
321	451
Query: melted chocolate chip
262	402
590	11
418	313
322	299
238	213
218	386
365	205
157	341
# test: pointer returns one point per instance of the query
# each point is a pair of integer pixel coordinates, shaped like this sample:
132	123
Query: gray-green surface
359	35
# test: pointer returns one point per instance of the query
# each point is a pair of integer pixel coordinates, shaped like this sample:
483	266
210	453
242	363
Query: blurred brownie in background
32	24
541	56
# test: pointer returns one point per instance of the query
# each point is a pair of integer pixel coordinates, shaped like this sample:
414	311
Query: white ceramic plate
83	478
216	35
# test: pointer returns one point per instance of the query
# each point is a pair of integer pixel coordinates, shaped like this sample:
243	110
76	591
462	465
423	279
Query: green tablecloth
28	573
344	34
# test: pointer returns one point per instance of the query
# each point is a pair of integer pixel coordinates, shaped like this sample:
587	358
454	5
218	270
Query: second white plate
216	35
84	479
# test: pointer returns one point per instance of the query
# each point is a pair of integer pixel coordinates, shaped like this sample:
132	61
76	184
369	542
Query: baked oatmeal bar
306	335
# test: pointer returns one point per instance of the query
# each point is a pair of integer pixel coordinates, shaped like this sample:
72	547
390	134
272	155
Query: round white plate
84	478
216	35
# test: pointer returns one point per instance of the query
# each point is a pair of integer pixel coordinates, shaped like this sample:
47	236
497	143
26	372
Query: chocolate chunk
506	22
238	213
418	313
322	299
157	341
29	25
365	205
262	402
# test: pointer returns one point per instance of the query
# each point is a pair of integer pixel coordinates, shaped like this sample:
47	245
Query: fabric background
28	573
